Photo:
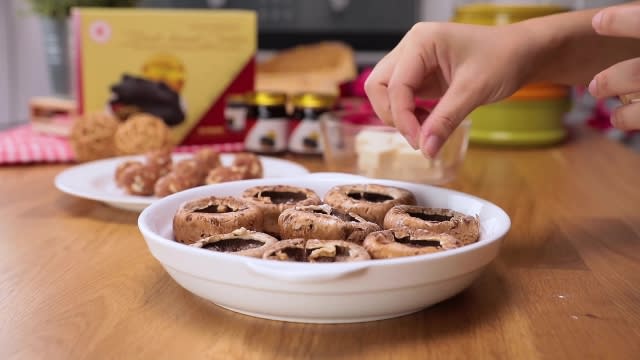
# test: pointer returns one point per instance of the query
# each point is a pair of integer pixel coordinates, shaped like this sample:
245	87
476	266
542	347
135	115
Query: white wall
4	65
22	63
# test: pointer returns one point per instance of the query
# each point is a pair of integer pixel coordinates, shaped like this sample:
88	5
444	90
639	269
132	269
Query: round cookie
92	136
141	133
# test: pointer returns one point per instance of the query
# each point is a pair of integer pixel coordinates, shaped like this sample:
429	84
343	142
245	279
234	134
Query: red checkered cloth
22	145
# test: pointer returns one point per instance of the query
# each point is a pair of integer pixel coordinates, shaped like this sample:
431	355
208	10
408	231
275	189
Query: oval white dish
95	180
324	293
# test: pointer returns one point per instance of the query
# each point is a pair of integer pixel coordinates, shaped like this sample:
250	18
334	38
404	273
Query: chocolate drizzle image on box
135	94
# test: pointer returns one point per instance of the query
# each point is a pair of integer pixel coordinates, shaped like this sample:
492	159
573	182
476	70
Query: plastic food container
357	142
487	13
330	292
535	114
532	116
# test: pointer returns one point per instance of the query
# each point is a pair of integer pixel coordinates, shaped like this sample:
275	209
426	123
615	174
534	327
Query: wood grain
77	282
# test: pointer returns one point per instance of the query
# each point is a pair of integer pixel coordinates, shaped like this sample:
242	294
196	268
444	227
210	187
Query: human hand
623	78
464	65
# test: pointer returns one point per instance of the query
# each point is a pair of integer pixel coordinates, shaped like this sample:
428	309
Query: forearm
568	51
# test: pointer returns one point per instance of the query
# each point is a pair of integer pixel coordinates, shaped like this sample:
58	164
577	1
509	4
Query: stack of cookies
99	135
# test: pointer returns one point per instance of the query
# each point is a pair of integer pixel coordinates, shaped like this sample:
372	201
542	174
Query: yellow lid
500	14
313	100
267	98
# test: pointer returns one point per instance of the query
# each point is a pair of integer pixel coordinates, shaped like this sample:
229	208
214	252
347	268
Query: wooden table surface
77	281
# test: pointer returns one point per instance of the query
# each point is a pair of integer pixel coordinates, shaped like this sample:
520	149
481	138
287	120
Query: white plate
325	293
95	180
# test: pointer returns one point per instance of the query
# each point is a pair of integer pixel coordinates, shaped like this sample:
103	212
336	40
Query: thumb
454	106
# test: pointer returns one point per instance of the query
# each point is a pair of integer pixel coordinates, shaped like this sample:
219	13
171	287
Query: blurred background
29	42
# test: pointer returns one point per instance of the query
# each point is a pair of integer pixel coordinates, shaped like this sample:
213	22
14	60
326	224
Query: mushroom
192	169
371	201
160	159
172	183
286	250
138	179
406	242
334	251
223	174
121	168
240	242
207	159
209	216
249	164
274	199
323	222
316	251
463	227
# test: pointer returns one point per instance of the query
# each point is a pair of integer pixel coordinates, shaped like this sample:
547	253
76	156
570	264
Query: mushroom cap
208	159
464	227
286	250
339	250
223	174
160	157
122	167
249	164
370	201
240	242
316	251
190	168
325	223
172	183
387	244
273	199
200	218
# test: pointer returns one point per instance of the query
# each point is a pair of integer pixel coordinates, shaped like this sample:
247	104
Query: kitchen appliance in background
371	27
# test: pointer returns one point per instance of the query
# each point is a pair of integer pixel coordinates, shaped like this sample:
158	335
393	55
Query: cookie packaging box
179	65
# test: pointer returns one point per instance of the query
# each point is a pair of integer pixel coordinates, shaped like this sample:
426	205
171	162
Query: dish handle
322	273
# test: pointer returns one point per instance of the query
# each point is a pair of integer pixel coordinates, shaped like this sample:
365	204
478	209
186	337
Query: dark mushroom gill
282	197
369	196
406	240
430	217
233	245
215	209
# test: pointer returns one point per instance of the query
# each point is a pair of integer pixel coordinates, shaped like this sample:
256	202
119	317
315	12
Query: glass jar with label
267	122
306	137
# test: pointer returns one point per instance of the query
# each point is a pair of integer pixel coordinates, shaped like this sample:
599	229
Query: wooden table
77	281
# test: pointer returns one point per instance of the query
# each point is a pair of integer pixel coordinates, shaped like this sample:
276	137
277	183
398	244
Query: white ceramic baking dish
324	293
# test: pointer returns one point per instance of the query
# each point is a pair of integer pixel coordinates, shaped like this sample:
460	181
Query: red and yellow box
179	65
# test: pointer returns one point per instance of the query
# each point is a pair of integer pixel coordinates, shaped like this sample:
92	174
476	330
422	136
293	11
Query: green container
501	14
520	122
534	115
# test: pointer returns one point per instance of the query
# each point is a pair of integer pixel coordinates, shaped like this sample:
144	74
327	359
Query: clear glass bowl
358	142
